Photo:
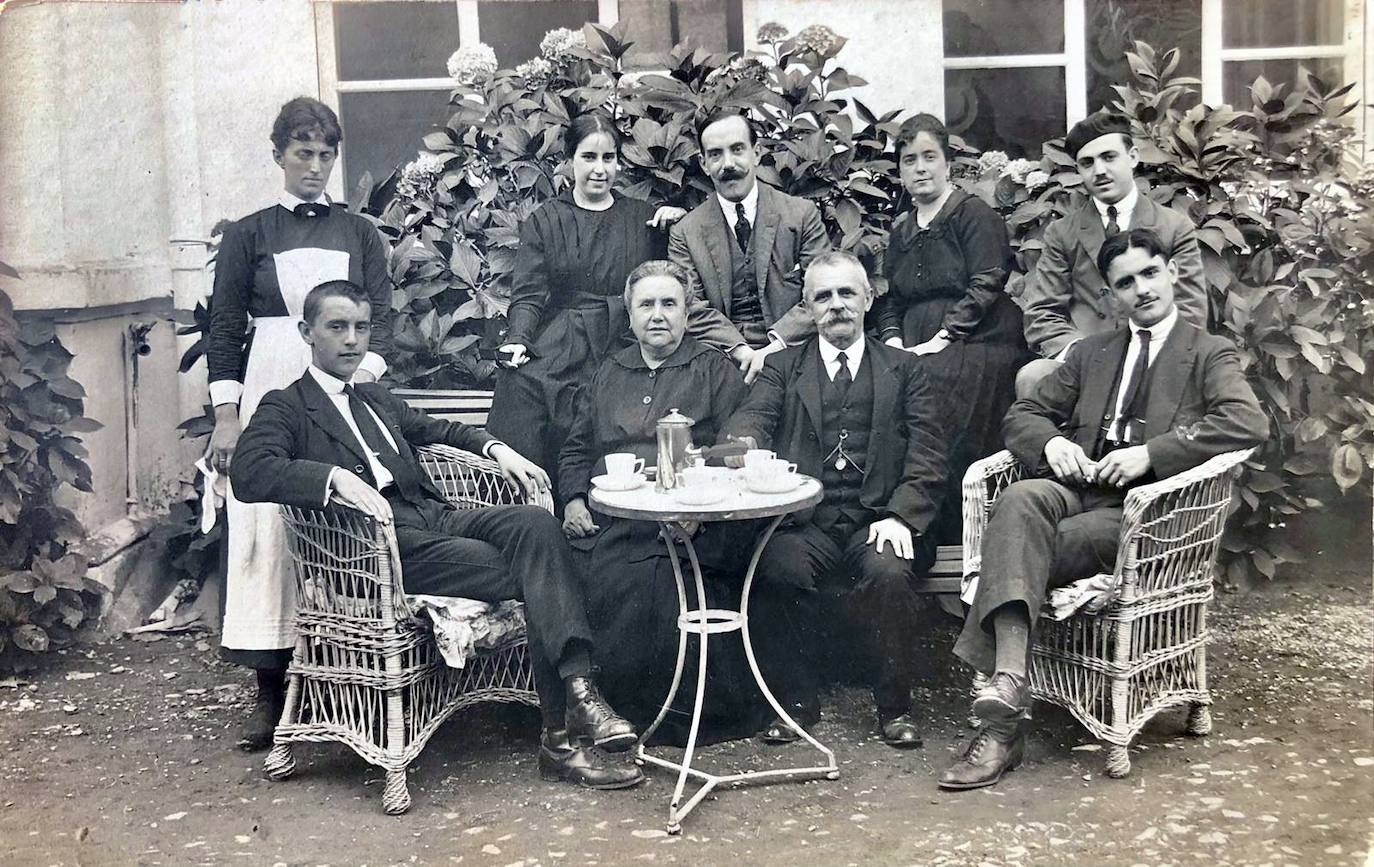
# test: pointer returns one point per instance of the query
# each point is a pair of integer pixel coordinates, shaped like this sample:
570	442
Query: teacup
621	465
755	457
774	473
698	476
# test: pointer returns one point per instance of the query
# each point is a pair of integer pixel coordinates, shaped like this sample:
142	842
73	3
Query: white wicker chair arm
447	466
983	482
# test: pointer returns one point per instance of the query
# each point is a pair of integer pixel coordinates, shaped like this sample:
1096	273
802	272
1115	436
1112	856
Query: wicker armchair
1147	650
365	673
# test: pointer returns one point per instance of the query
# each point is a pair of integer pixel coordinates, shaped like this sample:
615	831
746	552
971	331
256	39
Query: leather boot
586	766
256	732
590	721
996	749
805	713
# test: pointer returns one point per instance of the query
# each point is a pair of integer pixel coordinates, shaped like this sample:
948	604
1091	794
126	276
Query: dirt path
122	754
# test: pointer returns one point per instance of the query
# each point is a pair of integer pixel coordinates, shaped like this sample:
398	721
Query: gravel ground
123	753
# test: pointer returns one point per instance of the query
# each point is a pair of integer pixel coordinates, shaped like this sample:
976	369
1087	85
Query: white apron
259	588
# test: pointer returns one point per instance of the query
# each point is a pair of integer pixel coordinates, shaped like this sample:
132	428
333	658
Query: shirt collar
688	349
750	202
331	384
1124	208
289	201
1160	330
854	354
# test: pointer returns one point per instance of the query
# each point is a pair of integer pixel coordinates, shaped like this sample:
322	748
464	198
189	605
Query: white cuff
486	449
373	364
225	391
329	485
1064	353
774	337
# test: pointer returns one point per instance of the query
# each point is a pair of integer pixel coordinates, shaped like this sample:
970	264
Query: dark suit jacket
788	234
907	462
296	437
1200	404
1066	298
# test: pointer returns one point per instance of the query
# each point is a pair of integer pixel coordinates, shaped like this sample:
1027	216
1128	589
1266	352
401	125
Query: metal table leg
706	622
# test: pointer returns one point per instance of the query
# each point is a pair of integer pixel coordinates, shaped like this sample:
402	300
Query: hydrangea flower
535	72
1036	178
557	44
817	38
1018	169
472	65
772	31
420	177
991	161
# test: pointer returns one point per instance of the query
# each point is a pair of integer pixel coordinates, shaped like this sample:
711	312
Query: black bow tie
310	209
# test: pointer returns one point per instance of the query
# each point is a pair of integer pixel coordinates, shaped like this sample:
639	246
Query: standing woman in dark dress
946	265
267	262
566	311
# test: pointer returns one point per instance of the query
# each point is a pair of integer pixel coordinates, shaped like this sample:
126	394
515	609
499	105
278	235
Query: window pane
515	27
1238	75
1276	23
656	26
1113	26
395	40
1012	110
974	28
384	130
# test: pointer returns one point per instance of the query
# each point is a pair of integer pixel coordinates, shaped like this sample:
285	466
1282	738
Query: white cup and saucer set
624	472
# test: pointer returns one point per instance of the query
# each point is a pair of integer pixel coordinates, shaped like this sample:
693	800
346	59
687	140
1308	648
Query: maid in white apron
266	264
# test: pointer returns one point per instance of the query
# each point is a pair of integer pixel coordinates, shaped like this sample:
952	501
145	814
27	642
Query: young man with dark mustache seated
1127	407
324	439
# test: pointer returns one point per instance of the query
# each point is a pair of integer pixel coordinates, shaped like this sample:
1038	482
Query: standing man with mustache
1066	297
1128	407
745	248
860	416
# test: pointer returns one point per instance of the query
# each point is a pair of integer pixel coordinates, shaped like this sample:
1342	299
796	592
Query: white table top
739	503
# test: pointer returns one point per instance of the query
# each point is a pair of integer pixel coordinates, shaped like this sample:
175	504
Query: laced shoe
591	721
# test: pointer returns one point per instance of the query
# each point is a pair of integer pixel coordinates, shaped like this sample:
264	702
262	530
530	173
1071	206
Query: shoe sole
988	707
982	784
905	745
556	777
618	743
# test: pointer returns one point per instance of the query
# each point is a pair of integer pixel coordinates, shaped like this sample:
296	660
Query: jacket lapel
1170	376
718	236
765	230
809	385
1098	397
885	382
321	411
1091	234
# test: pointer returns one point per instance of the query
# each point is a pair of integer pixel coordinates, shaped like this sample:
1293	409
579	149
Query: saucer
618	483
788	482
699	495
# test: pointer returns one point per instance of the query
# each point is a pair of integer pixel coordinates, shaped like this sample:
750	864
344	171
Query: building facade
131	128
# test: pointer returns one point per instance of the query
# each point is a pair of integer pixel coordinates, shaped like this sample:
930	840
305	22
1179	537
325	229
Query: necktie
742	228
402	474
1133	407
310	209
1113	227
843	378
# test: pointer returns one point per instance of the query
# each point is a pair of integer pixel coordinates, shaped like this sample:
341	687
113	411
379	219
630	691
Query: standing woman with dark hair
566	313
946	265
267	262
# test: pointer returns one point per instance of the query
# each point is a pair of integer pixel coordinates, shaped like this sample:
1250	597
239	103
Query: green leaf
29	637
1346	466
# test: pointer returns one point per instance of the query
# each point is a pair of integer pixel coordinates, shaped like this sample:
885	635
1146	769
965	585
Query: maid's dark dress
266	264
951	275
632	602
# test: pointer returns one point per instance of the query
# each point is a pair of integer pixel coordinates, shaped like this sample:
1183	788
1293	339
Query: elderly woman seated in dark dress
631	592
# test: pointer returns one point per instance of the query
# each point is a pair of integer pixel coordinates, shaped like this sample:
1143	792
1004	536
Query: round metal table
738	504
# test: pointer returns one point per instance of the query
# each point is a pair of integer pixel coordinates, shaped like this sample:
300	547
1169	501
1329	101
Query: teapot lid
676	418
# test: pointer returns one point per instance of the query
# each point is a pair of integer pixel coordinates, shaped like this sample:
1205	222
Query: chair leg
1199	720
280	763
396	794
1118	761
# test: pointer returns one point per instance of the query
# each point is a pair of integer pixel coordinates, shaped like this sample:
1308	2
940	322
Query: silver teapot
675	450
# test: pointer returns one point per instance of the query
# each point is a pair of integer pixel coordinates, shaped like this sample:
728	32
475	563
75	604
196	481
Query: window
383	64
1018	72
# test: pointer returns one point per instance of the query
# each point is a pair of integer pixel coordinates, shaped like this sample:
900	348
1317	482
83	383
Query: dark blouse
568	253
619	409
962	257
246	276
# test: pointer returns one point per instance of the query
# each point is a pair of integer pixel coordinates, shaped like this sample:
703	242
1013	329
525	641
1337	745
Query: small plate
790	482
699	495
618	483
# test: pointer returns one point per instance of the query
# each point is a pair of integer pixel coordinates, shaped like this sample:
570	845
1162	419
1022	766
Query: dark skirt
976	378
532	409
632	606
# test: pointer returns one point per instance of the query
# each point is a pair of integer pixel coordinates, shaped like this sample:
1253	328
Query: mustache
731	174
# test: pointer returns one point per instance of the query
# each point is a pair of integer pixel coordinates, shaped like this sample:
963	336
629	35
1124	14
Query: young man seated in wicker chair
322	440
1127	407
